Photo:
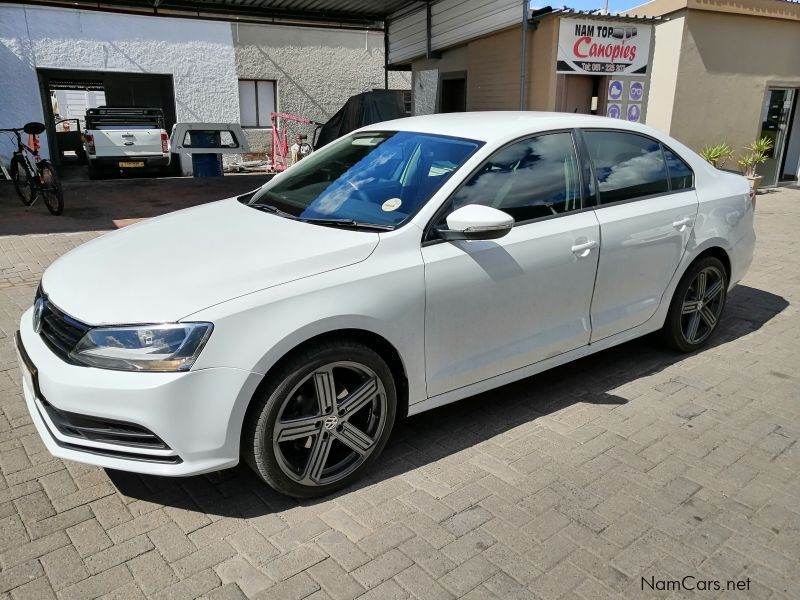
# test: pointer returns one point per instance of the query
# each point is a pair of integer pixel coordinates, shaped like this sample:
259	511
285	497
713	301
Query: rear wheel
320	421
697	305
50	188
21	177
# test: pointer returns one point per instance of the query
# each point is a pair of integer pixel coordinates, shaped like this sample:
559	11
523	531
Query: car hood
166	268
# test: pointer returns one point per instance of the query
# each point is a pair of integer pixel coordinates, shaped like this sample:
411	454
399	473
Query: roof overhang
360	14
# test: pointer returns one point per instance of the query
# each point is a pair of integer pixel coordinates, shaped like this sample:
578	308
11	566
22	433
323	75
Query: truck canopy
106	117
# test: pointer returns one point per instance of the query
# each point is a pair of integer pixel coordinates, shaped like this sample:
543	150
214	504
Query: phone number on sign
602	67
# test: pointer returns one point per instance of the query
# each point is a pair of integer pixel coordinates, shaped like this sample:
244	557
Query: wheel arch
377	342
717	252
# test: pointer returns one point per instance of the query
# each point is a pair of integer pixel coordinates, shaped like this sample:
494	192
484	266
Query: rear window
627	165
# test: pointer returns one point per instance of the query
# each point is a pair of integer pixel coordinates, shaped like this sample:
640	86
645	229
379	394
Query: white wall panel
453	22
456	21
407	37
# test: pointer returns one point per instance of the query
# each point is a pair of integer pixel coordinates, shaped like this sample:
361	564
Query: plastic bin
207	165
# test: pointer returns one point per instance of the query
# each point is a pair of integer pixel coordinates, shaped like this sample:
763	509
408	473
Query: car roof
489	126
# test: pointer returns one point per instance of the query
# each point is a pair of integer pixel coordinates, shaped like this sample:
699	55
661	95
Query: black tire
50	188
259	437
694	317
21	178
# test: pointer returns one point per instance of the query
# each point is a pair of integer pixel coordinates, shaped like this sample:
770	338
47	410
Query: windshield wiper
349	223
274	210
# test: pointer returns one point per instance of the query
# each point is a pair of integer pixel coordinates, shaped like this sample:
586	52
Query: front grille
98	429
59	331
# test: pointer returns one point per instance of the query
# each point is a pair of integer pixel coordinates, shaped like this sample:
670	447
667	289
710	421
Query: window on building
256	102
627	165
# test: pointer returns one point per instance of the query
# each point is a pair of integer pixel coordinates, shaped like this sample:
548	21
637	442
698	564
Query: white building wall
315	70
198	54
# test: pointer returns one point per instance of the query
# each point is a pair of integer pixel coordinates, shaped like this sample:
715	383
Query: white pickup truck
121	140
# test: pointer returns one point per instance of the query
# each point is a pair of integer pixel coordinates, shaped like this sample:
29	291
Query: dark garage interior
143	90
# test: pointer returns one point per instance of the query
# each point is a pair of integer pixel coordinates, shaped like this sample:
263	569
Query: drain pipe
523	56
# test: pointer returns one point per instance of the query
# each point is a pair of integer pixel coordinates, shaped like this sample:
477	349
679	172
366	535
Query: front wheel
50	188
318	423
22	179
696	307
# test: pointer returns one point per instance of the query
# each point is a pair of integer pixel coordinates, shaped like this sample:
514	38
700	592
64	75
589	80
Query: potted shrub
717	154
757	153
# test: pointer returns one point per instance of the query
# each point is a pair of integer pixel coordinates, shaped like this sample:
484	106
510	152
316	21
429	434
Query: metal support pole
385	54
523	56
428	19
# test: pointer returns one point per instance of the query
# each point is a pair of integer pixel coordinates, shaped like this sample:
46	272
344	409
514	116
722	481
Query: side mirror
476	222
34	128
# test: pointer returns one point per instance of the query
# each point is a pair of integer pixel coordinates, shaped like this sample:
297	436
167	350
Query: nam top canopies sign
590	47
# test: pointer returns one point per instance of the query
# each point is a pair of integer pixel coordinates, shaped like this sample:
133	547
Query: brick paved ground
572	484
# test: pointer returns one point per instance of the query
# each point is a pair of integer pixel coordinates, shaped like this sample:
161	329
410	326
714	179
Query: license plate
27	367
127	165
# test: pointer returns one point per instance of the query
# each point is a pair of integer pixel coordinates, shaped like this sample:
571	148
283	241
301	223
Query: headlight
168	347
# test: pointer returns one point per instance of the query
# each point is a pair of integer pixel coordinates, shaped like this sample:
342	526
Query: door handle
584	248
681	225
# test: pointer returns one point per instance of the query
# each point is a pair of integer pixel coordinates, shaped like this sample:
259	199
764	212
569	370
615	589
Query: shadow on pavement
436	434
111	203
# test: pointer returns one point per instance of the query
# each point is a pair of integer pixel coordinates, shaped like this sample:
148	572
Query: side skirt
494	382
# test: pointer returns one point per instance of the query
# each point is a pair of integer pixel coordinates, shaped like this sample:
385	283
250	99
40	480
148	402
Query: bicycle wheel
50	188
21	177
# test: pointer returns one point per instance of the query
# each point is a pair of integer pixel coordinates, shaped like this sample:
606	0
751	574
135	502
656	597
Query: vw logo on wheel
331	422
38	311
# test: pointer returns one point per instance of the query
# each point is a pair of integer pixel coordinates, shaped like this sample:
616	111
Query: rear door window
680	175
627	165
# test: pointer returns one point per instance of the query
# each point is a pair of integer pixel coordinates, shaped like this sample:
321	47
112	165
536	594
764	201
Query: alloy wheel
702	305
329	423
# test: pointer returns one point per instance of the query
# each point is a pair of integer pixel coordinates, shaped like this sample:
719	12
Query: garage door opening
66	94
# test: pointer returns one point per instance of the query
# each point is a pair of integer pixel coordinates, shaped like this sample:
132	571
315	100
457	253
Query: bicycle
32	175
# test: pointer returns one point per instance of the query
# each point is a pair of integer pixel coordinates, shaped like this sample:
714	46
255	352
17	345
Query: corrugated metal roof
585	14
358	13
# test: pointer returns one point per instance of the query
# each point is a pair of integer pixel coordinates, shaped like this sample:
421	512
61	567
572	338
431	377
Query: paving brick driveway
572	484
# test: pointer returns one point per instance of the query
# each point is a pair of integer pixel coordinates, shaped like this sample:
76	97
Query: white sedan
405	266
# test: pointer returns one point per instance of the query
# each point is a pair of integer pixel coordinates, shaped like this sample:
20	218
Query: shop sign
598	47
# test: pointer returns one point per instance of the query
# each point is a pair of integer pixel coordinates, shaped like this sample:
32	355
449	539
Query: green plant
757	153
717	154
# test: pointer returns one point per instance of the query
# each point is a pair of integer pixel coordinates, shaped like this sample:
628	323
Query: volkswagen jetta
407	265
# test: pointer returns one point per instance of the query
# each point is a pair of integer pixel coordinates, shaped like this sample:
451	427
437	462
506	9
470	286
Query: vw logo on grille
38	311
331	422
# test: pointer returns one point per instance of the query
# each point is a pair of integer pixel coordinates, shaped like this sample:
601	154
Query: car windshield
374	178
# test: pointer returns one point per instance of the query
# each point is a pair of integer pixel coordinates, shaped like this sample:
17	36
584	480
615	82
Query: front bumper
197	414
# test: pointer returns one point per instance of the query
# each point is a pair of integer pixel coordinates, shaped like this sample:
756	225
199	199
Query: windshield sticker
391	204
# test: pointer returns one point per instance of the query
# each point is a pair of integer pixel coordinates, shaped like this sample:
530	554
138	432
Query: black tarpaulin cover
360	110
